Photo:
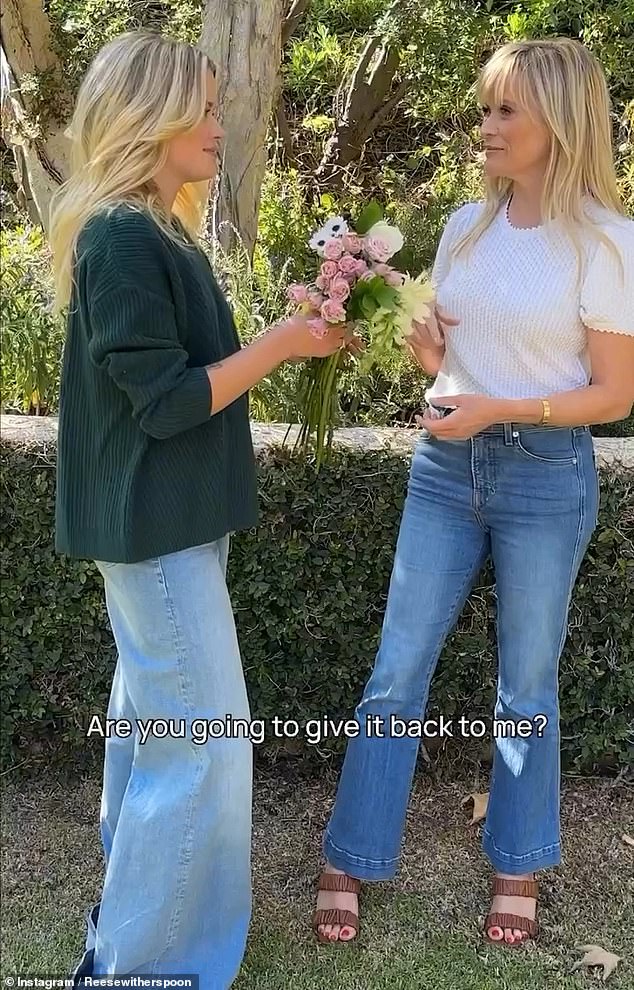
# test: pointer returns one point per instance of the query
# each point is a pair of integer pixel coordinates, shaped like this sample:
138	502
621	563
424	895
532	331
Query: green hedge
309	590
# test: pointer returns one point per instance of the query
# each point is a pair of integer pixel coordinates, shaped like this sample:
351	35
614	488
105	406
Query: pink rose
367	275
329	269
297	293
391	276
348	267
333	311
316	300
318	327
339	290
334	249
322	283
377	249
352	243
361	267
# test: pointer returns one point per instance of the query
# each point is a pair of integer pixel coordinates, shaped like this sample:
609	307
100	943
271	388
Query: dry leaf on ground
627	839
480	802
595	955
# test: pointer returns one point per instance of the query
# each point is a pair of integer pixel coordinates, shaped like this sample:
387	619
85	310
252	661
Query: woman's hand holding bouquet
355	286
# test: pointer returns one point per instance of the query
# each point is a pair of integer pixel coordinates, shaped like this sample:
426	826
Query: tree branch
384	111
358	76
292	19
294	14
368	102
284	131
384	71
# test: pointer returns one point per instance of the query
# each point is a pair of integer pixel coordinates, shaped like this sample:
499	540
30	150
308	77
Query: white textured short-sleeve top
522	308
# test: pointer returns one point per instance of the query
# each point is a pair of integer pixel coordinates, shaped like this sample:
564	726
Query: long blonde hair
563	84
141	90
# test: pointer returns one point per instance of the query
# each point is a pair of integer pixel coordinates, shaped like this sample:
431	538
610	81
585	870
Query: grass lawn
421	930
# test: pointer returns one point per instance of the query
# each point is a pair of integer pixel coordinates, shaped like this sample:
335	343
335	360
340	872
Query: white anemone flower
335	227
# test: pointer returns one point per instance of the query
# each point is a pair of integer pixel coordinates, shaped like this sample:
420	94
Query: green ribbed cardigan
143	467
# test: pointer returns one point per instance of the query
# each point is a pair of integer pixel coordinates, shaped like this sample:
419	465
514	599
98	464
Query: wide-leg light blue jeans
528	497
175	816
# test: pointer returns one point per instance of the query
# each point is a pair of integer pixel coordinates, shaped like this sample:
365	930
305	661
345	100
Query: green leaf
370	215
386	297
369	306
403	261
374	285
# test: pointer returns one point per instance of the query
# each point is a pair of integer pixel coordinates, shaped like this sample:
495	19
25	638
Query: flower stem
327	412
318	404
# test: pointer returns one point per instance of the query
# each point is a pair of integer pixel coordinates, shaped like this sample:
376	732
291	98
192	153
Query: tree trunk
370	97
33	117
243	37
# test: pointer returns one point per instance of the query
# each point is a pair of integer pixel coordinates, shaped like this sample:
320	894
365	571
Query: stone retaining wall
42	431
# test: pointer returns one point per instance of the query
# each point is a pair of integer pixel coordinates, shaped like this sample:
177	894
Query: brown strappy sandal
336	916
501	920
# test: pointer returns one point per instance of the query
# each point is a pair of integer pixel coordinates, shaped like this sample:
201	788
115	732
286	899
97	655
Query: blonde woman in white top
539	282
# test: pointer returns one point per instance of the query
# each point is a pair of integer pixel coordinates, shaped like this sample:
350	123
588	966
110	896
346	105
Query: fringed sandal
499	919
337	916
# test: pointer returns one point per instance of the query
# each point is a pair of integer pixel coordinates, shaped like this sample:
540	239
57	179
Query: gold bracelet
545	412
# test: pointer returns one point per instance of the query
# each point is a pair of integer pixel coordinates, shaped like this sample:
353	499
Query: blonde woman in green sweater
155	469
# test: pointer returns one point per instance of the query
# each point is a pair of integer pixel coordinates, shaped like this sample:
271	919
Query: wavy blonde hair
559	82
141	90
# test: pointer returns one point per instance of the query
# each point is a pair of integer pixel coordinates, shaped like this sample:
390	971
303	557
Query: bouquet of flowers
355	285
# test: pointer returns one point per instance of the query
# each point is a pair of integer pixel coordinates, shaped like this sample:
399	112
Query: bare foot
526	907
344	901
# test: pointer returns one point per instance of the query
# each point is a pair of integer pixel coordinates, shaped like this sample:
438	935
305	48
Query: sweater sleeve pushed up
134	339
133	334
